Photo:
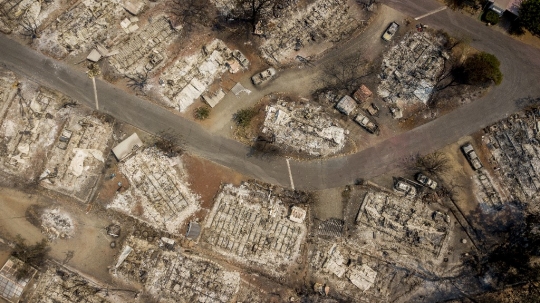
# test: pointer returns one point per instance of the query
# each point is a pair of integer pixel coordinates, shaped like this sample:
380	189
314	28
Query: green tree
529	13
244	116
481	68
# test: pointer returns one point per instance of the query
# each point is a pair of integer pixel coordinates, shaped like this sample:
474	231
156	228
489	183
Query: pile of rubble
514	144
189	78
158	191
74	165
56	224
319	22
346	271
82	26
410	69
143	52
29	127
303	129
487	193
25	15
402	227
250	224
173	276
60	285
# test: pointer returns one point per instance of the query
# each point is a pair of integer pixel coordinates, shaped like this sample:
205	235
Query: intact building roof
362	94
126	147
193	231
346	105
509	5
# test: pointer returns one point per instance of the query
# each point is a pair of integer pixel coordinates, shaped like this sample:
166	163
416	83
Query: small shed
134	7
127	147
346	105
194	230
362	94
298	214
94	56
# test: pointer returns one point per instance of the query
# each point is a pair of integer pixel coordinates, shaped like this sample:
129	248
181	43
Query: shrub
491	17
202	112
244	116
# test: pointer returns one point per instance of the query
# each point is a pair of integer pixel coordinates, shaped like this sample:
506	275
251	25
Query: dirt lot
89	247
205	179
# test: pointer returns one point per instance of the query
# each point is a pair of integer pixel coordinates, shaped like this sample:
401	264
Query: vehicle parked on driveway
424	180
263	76
390	31
471	156
405	189
366	123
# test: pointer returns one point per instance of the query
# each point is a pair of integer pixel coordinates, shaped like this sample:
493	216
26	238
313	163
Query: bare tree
344	75
189	13
435	163
253	11
29	28
138	82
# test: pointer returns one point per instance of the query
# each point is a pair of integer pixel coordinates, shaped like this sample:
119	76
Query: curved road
520	65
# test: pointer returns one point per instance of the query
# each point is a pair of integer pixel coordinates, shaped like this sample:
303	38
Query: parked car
405	189
471	156
263	76
424	180
390	31
366	123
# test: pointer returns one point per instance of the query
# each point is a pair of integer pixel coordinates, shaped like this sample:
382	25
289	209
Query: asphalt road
520	65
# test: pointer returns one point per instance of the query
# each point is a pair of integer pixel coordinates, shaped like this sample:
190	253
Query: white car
405	189
471	155
263	76
427	182
390	31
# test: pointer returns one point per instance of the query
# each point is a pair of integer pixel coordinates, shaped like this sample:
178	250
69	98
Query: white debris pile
188	78
142	52
515	146
402	226
410	68
75	163
61	285
303	129
29	126
174	277
23	15
56	224
321	21
357	276
249	224
82	26
158	186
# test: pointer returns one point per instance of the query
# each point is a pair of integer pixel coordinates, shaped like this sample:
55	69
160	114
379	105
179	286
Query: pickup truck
390	31
263	76
366	123
471	156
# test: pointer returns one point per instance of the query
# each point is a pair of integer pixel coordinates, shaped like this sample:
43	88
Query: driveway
520	64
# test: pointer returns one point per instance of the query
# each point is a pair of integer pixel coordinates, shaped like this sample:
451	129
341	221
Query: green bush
491	17
202	112
244	116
